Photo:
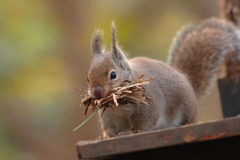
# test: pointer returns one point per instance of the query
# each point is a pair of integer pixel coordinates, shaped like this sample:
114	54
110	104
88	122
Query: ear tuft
97	39
117	53
114	43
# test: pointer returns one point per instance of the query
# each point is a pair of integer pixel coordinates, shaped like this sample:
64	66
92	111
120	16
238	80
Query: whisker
80	89
73	105
60	98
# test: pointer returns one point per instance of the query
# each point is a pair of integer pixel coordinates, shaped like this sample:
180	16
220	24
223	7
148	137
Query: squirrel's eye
113	75
87	79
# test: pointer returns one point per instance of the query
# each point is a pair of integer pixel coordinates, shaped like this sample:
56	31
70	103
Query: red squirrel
196	57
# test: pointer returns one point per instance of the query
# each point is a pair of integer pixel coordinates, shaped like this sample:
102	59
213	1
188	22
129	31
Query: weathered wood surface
190	134
230	97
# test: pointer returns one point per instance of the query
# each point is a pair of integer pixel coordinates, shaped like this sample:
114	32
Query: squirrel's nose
97	92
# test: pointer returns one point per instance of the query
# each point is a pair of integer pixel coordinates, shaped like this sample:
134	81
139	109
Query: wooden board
158	139
230	93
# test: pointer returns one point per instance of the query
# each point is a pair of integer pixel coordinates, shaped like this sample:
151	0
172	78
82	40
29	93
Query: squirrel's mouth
100	92
106	90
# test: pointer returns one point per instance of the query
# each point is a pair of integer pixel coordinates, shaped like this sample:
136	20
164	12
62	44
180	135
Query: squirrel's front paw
106	135
130	132
136	131
103	137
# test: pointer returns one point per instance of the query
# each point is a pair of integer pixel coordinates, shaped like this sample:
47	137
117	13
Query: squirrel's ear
114	43
97	39
118	55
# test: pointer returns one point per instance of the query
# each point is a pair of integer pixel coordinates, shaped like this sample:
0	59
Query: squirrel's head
108	69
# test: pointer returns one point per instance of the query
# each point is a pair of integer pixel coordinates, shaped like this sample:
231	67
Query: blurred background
45	52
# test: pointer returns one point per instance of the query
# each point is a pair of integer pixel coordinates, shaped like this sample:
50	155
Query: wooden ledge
116	146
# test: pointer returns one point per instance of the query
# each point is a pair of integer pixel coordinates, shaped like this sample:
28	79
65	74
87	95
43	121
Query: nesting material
127	92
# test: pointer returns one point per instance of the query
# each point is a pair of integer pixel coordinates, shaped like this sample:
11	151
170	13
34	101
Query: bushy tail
201	51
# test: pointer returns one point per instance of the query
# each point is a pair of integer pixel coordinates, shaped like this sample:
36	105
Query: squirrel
197	55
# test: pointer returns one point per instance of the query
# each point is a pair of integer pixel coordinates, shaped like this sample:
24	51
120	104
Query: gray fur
117	54
199	51
97	39
195	58
174	102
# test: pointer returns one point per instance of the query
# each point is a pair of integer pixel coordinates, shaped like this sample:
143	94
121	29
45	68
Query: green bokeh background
45	51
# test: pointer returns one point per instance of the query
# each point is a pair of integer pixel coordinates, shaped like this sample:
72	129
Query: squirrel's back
168	89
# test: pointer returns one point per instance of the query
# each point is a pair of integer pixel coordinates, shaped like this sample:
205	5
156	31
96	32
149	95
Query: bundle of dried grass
127	92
